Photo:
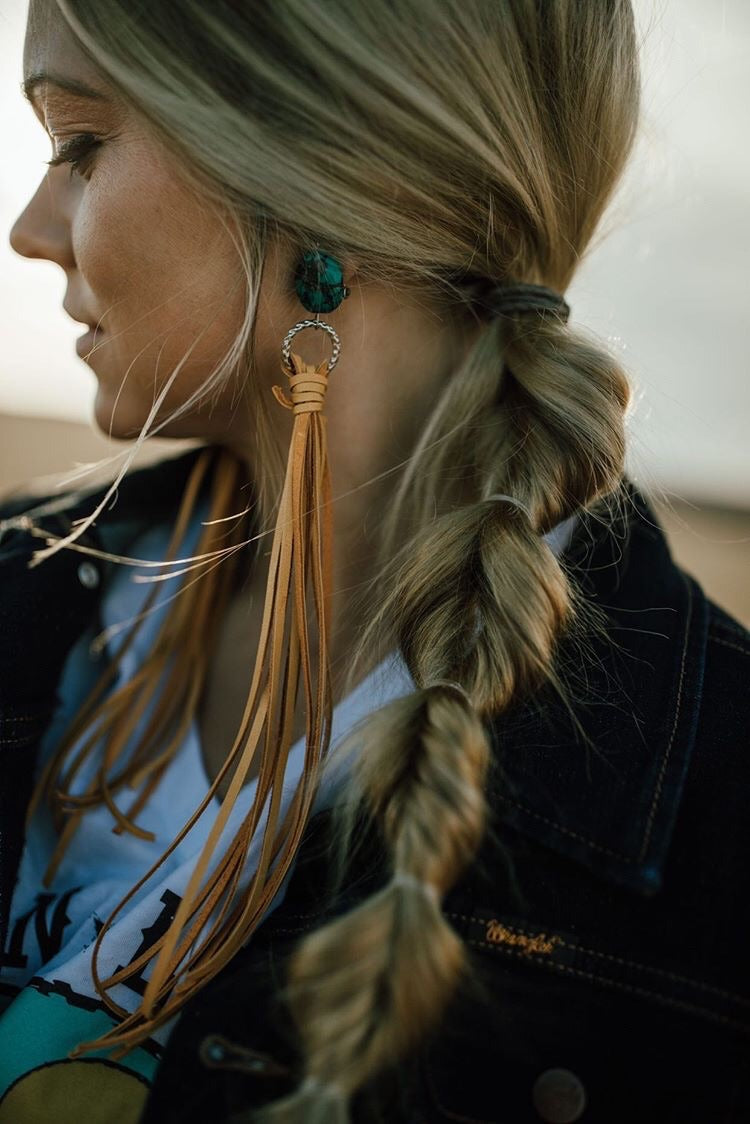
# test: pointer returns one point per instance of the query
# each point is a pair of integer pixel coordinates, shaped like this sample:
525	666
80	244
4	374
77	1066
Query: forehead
50	49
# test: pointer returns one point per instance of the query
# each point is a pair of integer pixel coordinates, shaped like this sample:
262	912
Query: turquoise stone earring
319	284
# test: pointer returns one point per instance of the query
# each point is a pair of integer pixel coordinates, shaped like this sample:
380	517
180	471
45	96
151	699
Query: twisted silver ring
298	327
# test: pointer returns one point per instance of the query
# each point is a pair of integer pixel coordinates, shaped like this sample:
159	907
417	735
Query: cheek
163	274
98	245
124	241
160	266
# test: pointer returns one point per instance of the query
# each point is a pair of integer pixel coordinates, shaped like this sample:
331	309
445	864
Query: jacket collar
611	804
608	799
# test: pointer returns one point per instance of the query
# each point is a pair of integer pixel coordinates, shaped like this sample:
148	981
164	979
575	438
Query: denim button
88	575
217	1052
558	1096
212	1051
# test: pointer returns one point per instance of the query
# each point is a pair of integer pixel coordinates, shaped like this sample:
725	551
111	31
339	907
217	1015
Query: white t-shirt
46	973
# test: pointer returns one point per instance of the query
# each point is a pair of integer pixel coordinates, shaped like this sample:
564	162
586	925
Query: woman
423	797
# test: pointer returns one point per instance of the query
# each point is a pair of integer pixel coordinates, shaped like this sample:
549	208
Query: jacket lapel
611	802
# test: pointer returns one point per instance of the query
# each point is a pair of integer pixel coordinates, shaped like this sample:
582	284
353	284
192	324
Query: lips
88	343
91	322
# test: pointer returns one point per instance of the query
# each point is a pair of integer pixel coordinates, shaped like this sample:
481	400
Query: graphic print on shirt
45	936
48	1015
48	1000
48	930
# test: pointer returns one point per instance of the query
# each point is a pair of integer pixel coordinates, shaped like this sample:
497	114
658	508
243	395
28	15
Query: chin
129	418
126	422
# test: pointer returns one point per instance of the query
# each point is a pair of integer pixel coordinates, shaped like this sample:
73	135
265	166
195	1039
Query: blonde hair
443	142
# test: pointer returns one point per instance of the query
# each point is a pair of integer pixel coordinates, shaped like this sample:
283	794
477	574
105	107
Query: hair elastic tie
403	878
312	1084
455	686
511	499
498	299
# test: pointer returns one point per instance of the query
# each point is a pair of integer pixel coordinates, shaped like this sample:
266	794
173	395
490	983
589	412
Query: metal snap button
217	1052
212	1051
88	575
559	1097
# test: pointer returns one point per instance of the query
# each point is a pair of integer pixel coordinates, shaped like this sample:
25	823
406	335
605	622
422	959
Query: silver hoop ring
298	327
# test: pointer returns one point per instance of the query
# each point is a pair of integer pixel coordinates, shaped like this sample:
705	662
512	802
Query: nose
42	230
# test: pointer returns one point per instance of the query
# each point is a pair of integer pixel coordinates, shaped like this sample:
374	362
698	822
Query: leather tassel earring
213	919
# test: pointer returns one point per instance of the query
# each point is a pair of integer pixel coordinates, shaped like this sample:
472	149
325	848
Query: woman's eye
75	152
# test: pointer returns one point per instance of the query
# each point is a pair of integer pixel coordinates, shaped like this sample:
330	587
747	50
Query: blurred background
666	285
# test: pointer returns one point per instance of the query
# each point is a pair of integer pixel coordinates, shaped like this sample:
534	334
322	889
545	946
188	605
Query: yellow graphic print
41	1084
92	1090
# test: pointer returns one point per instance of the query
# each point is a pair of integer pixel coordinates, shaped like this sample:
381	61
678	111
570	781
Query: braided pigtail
565	400
477	601
425	790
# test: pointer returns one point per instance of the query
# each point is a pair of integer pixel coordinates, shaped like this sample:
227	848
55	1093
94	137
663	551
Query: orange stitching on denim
529	951
565	830
630	964
665	759
555	966
745	1000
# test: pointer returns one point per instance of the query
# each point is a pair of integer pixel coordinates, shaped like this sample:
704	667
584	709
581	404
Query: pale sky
667	287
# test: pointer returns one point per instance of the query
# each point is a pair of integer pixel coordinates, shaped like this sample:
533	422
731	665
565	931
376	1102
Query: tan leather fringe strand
117	715
212	922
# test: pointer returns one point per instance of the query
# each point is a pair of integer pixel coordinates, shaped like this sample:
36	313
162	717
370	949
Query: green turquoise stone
319	282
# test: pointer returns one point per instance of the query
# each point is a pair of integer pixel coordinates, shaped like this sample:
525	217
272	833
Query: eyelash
75	152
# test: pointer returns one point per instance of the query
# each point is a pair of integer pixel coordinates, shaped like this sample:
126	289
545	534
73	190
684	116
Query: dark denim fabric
606	916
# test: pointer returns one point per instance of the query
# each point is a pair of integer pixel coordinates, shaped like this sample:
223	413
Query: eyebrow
72	85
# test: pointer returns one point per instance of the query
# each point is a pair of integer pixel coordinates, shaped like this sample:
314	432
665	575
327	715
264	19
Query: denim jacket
606	915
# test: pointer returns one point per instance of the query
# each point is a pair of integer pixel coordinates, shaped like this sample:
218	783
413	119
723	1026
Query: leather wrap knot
307	386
